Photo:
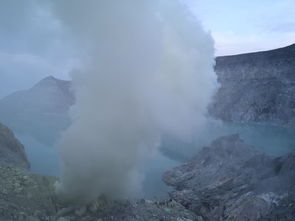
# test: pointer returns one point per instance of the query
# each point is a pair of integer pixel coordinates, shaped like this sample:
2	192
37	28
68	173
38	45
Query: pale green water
272	140
269	139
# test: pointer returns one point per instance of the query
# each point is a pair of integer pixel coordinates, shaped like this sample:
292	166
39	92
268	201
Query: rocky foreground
29	197
230	180
227	181
25	196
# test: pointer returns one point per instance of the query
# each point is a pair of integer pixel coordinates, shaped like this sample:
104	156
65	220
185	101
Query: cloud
21	71
230	43
284	27
31	45
247	26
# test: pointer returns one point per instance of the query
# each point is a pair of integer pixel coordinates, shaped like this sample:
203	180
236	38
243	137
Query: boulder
231	180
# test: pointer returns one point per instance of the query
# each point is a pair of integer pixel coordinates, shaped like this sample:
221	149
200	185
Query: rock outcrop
256	87
11	150
230	180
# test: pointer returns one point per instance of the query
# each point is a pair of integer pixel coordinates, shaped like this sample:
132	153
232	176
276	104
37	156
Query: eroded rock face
256	87
11	150
230	180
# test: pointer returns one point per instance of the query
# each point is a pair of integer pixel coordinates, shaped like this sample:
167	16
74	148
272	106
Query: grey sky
32	45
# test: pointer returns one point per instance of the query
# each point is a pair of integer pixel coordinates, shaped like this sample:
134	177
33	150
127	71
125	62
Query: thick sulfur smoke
147	70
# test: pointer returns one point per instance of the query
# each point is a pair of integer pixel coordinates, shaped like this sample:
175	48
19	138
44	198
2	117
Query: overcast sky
32	46
240	26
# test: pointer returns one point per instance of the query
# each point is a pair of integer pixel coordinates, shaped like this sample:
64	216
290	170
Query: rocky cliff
11	150
256	87
231	180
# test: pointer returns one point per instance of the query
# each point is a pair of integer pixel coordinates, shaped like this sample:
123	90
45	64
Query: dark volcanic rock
11	150
232	181
256	87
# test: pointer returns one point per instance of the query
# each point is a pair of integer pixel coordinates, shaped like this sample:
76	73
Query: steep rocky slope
11	150
256	87
44	107
231	180
20	190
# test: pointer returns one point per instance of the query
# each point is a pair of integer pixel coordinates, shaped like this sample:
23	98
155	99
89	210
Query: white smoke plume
147	70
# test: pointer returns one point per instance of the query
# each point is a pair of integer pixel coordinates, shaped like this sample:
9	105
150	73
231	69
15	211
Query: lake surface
272	140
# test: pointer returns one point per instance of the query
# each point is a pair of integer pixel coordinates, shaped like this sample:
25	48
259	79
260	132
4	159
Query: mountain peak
50	81
50	77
